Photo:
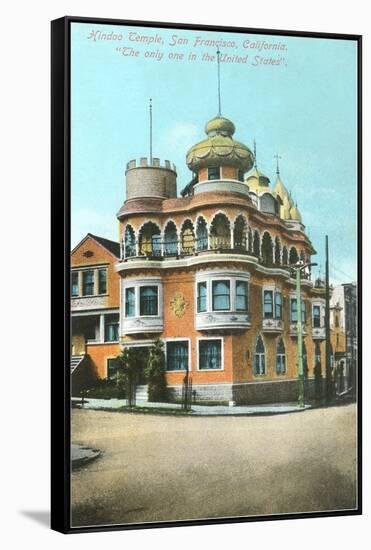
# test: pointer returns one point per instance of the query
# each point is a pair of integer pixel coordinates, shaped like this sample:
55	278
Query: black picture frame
60	269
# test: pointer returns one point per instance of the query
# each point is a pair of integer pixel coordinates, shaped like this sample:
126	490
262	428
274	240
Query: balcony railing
176	249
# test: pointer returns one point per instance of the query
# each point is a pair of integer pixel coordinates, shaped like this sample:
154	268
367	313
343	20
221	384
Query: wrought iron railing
180	248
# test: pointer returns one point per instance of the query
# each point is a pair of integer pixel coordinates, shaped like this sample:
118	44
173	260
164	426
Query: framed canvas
206	274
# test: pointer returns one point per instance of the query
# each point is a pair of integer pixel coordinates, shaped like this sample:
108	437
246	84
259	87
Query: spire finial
255	161
219	98
277	157
150	131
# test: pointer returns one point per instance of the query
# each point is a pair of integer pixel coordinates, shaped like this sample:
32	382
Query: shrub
155	372
104	389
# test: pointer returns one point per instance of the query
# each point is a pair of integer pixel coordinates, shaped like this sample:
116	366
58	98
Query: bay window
130	302
241	296
278	305
201	296
268	304
294	311
316	316
221	295
148	300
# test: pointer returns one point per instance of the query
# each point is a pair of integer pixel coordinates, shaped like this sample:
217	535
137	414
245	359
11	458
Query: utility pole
329	387
300	340
298	268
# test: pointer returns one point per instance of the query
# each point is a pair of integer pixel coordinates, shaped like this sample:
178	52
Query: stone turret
150	179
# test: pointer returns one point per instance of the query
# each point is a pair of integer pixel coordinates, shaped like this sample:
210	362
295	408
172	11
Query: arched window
285	256
267	249
294	257
268	204
150	240
170	239
220	233
280	357
188	238
302	256
201	234
129	242
277	251
259	358
239	233
256	244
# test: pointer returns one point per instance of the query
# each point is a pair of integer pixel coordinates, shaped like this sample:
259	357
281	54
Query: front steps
141	393
75	362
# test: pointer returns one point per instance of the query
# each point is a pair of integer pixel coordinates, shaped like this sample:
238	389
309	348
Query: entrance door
143	352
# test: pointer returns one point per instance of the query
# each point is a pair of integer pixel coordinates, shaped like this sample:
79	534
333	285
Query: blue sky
304	108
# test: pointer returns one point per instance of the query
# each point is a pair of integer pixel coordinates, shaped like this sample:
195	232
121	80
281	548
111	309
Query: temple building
207	273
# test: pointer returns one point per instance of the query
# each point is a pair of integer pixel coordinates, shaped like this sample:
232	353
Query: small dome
285	208
219	148
295	214
257	181
279	188
220	125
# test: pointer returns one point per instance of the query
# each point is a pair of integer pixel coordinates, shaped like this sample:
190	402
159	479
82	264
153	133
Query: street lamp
298	268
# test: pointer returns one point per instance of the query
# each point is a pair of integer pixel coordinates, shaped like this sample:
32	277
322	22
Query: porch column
101	328
232	236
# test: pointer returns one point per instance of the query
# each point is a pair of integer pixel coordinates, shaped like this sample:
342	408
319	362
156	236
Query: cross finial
219	98
277	157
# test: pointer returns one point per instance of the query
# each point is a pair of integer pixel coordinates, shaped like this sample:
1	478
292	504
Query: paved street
156	468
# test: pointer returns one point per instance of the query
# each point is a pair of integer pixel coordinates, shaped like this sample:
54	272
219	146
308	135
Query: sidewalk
81	455
197	410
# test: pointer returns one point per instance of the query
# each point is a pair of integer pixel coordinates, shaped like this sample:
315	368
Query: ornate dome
279	188
220	125
286	207
295	214
219	148
257	181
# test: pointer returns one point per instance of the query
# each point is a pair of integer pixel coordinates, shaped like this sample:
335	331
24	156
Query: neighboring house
95	305
343	322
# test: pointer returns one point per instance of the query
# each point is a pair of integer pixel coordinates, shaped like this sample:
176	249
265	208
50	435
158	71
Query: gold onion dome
219	148
286	208
279	188
295	214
